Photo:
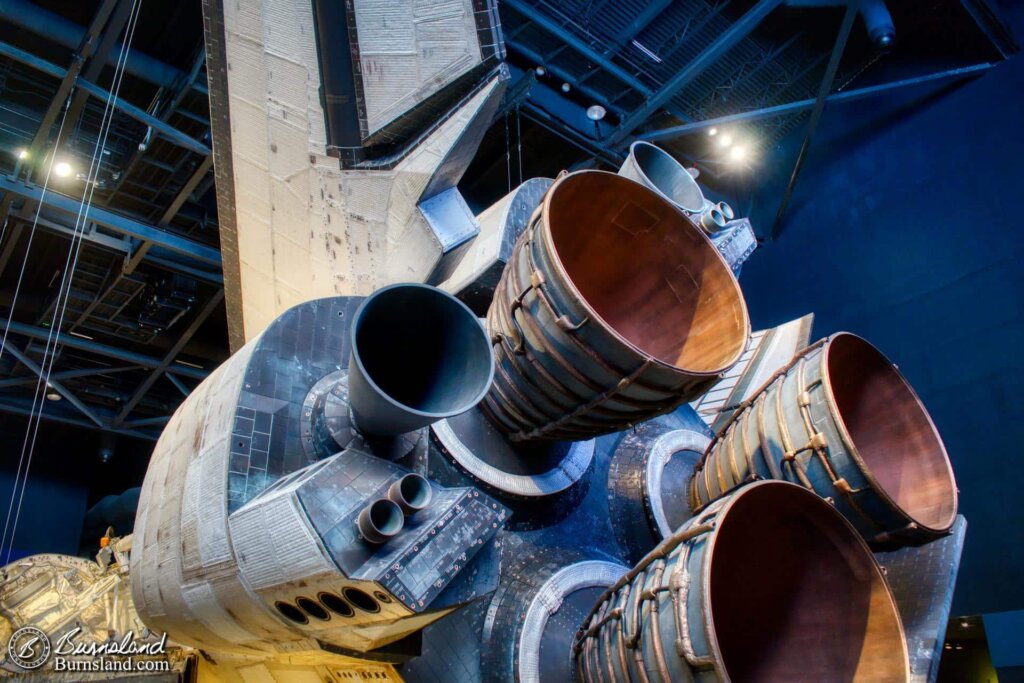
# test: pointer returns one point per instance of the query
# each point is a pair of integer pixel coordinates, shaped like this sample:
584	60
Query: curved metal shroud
744	592
842	421
614	309
418	355
655	168
648	480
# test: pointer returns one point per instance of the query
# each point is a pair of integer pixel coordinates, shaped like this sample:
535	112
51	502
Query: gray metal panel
736	242
453	225
922	580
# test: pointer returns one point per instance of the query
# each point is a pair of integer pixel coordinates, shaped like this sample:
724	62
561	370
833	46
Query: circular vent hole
291	612
336	604
312	608
361	600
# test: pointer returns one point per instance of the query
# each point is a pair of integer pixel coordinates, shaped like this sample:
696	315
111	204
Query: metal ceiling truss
164	167
806	104
96	416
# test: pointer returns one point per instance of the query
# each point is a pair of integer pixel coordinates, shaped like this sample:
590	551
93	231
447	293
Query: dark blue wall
907	227
51	512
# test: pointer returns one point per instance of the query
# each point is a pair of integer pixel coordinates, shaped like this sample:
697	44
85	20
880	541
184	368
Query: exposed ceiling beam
133	261
149	421
819	106
113	221
66	374
168	358
55	413
564	75
727	40
804	105
538	17
987	18
590	146
178	384
166	131
53	383
59	100
73	342
94	69
60	30
631	30
84	52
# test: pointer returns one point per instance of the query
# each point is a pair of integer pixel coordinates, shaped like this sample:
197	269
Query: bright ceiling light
596	112
540	70
566	87
725	140
62	169
712	132
738	153
23	153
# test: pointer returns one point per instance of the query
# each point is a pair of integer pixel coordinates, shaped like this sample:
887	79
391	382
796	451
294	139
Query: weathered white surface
305	228
411	49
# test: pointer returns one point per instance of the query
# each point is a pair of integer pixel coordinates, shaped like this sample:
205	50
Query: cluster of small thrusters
327	604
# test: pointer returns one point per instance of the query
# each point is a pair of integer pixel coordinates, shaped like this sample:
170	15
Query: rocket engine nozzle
412	493
418	355
380	520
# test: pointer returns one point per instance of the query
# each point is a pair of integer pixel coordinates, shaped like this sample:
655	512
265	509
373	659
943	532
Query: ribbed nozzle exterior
614	308
871	445
412	493
418	355
379	521
759	577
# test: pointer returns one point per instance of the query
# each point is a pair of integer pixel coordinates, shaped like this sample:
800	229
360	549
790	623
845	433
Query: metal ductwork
747	591
842	421
655	168
418	355
614	308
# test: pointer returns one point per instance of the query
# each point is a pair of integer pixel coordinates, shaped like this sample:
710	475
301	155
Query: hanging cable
63	294
10	314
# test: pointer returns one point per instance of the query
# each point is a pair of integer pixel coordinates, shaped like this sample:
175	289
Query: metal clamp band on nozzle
418	355
380	520
412	493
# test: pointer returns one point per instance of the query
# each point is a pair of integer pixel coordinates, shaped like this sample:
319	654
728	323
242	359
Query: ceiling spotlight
51	393
725	140
738	153
540	70
62	169
566	87
712	132
23	153
596	112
